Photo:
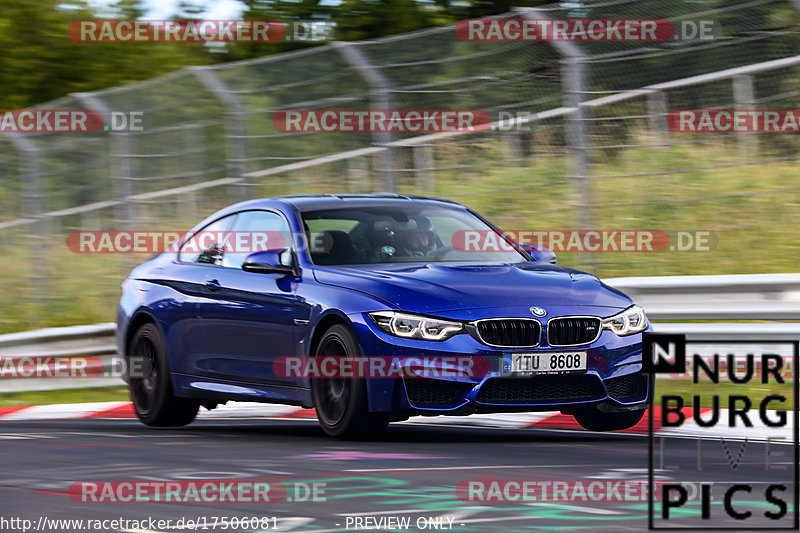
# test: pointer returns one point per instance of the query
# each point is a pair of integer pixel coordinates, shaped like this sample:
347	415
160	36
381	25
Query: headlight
632	320
415	326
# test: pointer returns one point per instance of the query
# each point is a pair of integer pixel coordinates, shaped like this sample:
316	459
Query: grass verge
48	397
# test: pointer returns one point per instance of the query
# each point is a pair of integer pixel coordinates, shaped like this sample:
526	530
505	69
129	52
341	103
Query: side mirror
540	254
268	262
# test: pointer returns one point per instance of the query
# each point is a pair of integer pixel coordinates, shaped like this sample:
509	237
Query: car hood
432	288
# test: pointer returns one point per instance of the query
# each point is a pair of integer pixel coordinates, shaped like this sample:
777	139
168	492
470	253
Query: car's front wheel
341	402
593	419
150	386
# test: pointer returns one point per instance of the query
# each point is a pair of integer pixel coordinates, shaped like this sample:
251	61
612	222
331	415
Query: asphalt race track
409	473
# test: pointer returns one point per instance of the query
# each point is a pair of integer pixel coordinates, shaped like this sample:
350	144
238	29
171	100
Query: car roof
316	202
312	202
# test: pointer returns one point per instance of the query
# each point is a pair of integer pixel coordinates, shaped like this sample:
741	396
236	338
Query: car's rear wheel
341	402
593	419
150	384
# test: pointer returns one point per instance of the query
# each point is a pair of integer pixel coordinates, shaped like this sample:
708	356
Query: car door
185	332
251	319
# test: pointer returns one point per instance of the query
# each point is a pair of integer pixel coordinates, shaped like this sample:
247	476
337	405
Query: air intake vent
572	330
509	332
422	391
632	385
538	389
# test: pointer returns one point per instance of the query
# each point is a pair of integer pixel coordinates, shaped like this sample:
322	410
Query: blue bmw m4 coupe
367	308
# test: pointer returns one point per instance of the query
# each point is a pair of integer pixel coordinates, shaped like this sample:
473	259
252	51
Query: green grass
100	394
755	234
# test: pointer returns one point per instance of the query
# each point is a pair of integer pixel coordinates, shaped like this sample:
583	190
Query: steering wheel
440	252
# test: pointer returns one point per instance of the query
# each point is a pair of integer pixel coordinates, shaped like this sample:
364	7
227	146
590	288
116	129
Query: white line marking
434	468
61	411
293	522
497	519
589	510
26	436
398	511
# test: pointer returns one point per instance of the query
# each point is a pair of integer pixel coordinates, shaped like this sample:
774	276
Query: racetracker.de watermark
506	490
149	242
734	120
33	366
377	366
483	241
201	491
380	120
177	31
584	30
68	121
73	367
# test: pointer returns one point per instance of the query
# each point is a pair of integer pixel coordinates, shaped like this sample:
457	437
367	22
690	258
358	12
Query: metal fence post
33	207
358	174
657	111
744	97
424	165
380	98
575	84
512	144
574	93
186	207
119	151
236	157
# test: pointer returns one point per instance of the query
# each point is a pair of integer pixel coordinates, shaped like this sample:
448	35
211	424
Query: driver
418	242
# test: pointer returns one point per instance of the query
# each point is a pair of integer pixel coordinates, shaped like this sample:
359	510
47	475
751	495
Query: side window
209	244
255	231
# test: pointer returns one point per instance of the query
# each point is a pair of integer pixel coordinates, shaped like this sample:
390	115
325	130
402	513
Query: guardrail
96	341
748	297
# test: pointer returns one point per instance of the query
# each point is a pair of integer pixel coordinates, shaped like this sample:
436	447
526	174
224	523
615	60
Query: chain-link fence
593	153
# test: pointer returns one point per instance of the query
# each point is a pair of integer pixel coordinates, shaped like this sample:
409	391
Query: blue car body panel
224	344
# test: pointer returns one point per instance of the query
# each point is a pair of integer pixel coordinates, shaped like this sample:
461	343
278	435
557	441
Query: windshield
399	234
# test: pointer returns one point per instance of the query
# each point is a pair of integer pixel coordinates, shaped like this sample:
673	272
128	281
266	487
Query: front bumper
613	378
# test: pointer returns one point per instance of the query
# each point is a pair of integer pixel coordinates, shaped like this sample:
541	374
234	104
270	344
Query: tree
39	61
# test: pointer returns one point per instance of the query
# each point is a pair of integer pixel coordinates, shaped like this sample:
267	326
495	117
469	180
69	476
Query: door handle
213	285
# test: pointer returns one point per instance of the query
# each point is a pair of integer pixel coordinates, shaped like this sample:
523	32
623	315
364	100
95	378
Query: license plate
543	362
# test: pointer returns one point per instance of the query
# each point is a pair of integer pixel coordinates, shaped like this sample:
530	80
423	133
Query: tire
151	386
341	403
595	420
